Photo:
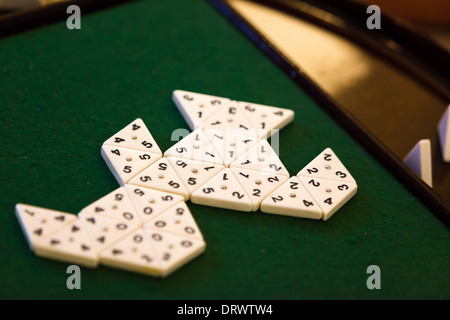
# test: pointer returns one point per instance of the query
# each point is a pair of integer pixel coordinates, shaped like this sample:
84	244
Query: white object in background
444	134
419	161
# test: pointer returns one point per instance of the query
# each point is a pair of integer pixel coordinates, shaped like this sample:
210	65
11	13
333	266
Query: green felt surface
63	92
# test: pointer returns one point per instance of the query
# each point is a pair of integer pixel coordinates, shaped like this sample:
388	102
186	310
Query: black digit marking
208	190
314	183
272	179
116	151
256	192
224	177
293	185
181	163
307	203
148	210
127	215
328	201
127	169
186	243
174	184
160	224
181	150
162	166
278	113
118	140
313	170
249	108
188	97
180	211
244	175
139	192
189	230
118	197
237	194
341	174
147	144
343	187
145	178
156	237
121	226
279	198
167	198
232	110
327	157
145	157
192	181
135	127
116	251
147	258
138	238
275	167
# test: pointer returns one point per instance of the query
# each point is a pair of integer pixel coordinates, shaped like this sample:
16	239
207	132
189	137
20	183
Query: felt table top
63	92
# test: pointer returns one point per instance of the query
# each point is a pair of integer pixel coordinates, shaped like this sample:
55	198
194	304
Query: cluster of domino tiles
419	158
132	228
227	161
145	225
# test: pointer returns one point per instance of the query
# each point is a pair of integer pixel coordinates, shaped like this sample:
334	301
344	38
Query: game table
63	92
